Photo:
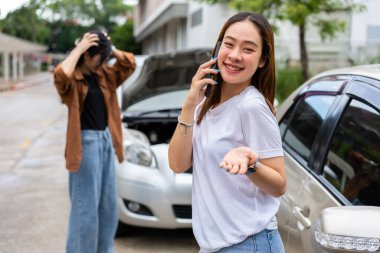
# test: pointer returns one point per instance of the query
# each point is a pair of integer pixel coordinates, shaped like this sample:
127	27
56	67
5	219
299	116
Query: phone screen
214	66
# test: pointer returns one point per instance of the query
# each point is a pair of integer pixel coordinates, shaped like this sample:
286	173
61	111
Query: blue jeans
267	241
94	214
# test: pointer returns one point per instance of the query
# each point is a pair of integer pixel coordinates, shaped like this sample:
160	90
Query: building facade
167	25
365	33
17	56
160	25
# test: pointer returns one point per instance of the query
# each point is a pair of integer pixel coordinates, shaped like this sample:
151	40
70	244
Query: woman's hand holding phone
199	82
214	66
203	80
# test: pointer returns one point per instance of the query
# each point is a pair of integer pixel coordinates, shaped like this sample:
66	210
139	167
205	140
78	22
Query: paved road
34	201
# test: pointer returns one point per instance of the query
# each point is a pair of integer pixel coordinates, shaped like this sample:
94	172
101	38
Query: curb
31	81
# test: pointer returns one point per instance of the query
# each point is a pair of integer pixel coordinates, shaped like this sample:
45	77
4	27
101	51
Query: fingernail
217	70
214	58
215	82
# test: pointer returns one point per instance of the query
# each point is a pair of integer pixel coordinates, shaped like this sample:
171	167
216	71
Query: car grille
182	211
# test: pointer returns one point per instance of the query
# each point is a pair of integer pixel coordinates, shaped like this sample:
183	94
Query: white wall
361	21
362	49
213	18
171	36
286	42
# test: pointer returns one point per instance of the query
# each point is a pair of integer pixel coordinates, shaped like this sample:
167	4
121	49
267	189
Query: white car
150	194
330	128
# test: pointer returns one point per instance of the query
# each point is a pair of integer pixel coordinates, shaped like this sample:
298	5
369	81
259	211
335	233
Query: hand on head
88	40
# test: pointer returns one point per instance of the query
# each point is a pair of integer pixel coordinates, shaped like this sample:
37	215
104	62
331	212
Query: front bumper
163	197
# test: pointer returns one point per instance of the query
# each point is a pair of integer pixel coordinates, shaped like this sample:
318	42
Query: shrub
287	80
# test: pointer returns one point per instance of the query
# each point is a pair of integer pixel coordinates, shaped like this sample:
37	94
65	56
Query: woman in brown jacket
87	85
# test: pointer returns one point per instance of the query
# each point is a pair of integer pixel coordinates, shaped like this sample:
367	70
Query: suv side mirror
353	228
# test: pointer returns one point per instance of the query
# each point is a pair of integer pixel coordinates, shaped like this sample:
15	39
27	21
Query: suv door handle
301	217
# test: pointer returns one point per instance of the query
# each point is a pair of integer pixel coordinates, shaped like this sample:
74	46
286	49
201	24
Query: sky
11	5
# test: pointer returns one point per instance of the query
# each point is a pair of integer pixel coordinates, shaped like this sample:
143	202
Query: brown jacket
73	90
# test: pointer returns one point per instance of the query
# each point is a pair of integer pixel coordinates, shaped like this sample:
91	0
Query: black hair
103	48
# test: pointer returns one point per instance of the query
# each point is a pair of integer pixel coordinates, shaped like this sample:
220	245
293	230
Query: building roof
166	12
10	43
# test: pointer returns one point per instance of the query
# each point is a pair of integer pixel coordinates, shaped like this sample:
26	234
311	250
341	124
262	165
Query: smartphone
214	66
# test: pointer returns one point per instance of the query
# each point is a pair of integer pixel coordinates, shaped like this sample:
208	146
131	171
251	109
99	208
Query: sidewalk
27	81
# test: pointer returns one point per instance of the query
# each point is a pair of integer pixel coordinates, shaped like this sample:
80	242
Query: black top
94	114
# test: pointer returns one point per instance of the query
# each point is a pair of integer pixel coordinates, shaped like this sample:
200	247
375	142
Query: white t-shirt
228	208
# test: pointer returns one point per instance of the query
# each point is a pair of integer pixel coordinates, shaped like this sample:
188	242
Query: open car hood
161	73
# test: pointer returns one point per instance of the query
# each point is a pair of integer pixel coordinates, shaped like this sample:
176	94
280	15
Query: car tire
123	229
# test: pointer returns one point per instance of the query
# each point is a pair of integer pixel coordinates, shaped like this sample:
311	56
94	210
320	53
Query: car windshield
165	101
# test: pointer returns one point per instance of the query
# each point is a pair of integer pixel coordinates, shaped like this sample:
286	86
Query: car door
341	152
300	129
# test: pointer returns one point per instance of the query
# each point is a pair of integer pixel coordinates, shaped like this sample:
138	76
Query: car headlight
139	153
132	135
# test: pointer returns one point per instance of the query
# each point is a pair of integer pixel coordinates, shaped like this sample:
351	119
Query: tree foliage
25	23
57	23
102	14
64	34
123	39
300	13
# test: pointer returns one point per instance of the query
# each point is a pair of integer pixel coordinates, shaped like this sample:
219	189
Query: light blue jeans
94	214
267	241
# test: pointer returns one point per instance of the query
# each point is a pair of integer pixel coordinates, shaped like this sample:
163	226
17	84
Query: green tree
64	34
300	13
25	23
102	14
57	23
122	38
71	18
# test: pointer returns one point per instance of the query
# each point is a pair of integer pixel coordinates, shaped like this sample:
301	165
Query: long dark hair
103	48
264	78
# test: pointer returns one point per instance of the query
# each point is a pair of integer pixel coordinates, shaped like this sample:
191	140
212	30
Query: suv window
353	161
299	128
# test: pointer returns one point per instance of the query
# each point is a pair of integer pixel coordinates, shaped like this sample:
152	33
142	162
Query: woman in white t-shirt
232	140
